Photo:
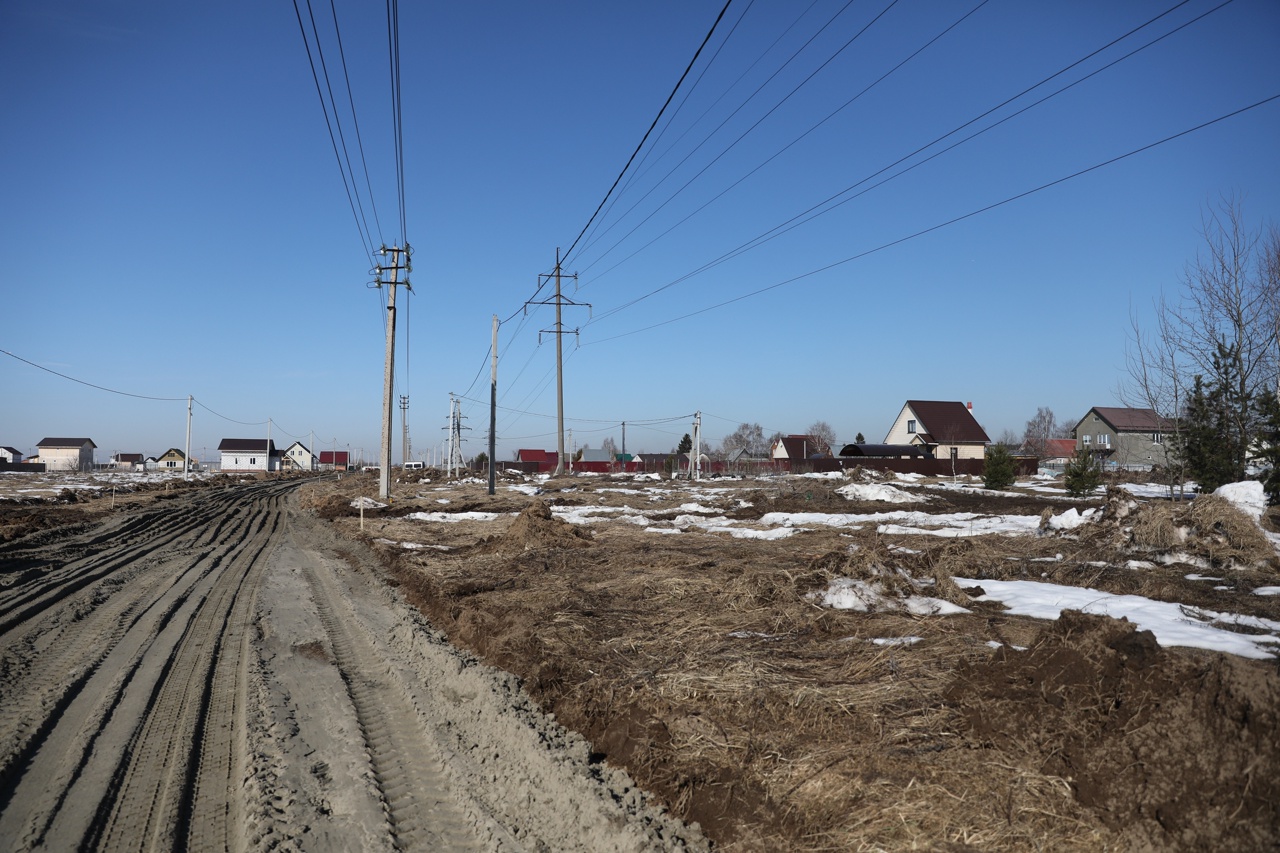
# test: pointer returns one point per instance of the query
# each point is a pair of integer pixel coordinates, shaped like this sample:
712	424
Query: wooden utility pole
388	370
493	408
559	301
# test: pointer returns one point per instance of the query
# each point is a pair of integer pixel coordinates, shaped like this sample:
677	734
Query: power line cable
91	385
652	125
355	122
832	202
949	222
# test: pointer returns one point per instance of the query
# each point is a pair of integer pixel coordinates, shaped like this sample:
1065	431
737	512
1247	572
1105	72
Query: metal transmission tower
455	462
406	455
388	371
559	301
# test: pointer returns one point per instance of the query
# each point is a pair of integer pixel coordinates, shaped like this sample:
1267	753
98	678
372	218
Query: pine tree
1000	469
1082	474
859	439
1216	424
1268	412
686	444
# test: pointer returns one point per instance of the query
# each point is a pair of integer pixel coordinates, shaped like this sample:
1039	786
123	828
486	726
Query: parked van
414	466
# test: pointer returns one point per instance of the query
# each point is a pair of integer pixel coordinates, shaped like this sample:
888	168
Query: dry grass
701	664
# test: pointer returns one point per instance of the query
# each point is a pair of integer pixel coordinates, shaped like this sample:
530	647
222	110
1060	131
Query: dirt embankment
701	664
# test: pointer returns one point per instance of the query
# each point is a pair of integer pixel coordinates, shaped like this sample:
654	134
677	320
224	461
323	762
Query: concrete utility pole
493	408
455	463
405	456
186	462
559	301
695	453
388	370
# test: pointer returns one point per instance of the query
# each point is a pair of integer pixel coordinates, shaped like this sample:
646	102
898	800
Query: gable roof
128	457
175	451
947	422
15	451
802	446
595	454
247	445
1055	448
526	455
1123	419
290	448
66	442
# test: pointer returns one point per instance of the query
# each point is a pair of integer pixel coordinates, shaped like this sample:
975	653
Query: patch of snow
1248	497
526	489
366	503
453	517
1267	590
896	641
862	596
876	492
1173	624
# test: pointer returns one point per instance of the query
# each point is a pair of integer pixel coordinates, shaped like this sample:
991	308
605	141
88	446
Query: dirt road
217	672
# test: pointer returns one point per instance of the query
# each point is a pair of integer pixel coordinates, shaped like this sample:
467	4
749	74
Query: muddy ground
699	663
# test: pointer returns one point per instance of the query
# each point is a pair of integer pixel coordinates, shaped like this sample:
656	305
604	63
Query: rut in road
218	672
112	676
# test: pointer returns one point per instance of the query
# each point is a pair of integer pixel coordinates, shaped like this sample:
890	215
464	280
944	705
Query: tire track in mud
407	765
147	717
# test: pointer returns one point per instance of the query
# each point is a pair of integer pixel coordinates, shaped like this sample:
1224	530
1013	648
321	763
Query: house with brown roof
243	455
797	448
941	428
66	454
1124	437
10	454
127	461
172	459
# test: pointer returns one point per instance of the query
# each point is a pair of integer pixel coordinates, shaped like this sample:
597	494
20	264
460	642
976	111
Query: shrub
1083	474
1000	470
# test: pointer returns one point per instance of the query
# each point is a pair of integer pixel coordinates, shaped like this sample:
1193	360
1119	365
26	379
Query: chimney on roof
969	406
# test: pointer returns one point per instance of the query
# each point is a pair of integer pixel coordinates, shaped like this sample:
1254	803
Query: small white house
11	455
67	454
245	455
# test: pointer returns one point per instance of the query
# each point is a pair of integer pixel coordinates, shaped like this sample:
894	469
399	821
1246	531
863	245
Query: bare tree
1038	431
608	446
1009	441
824	436
1228	302
749	437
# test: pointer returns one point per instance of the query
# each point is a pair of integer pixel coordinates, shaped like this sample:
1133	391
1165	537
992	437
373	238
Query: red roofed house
546	459
943	429
335	459
1126	438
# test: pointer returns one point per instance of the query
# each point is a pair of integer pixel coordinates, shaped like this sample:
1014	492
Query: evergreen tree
1217	421
1000	469
859	439
1082	474
686	444
1268	412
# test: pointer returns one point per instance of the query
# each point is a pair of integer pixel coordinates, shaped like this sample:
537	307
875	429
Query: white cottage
244	455
297	457
66	454
942	428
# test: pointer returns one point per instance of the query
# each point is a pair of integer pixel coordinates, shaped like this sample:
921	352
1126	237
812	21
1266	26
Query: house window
1088	439
911	427
253	460
1157	438
1104	440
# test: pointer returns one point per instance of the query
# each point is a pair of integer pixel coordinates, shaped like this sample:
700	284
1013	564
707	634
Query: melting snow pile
876	492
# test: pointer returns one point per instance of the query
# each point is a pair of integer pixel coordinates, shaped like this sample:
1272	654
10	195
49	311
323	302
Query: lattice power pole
559	301
455	462
405	453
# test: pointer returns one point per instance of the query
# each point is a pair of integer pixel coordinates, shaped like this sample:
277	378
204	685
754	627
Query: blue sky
174	220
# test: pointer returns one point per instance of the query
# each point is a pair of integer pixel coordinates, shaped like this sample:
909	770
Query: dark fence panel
28	467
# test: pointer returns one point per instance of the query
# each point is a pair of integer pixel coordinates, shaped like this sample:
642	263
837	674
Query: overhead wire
949	222
832	201
652	125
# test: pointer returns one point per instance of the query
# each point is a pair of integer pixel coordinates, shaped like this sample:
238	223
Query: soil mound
536	528
1175	752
